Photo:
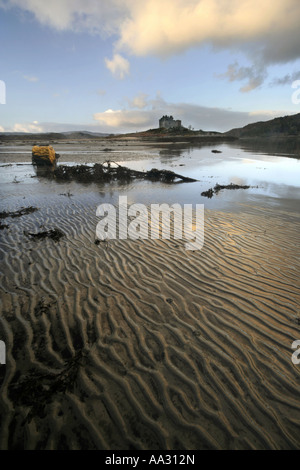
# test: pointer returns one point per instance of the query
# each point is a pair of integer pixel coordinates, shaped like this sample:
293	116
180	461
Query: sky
115	66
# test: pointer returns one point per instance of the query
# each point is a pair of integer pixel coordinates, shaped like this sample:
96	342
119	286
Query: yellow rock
43	155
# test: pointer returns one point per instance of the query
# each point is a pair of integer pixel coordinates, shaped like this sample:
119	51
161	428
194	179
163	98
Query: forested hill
282	126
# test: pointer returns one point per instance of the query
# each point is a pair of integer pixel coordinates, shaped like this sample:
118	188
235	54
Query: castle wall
169	123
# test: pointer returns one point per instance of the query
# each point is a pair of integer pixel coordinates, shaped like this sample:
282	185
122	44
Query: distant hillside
50	136
84	134
278	127
175	135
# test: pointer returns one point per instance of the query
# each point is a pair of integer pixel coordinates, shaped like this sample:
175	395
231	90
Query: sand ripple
142	344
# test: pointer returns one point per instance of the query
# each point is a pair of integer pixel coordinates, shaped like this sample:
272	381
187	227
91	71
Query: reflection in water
44	171
275	146
273	179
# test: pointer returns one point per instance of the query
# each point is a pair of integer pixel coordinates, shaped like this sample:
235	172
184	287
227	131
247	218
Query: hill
278	127
50	136
174	135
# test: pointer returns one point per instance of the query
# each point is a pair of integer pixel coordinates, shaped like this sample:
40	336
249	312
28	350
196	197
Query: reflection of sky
271	176
232	164
274	179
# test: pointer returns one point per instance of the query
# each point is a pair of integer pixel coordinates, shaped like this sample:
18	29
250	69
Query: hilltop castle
168	122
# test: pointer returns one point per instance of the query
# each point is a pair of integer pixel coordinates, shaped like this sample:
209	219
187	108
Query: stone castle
168	122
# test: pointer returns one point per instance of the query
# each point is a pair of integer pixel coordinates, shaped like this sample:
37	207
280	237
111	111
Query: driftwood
111	171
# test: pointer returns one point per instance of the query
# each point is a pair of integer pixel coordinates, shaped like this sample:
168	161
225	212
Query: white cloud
139	101
28	127
2	129
267	31
119	66
38	127
123	118
171	26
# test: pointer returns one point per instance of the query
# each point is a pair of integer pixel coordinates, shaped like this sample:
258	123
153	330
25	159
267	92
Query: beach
142	344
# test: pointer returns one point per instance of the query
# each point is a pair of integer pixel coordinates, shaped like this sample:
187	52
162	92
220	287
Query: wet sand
142	344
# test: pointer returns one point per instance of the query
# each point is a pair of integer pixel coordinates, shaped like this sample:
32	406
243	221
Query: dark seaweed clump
38	389
19	213
55	234
111	171
218	187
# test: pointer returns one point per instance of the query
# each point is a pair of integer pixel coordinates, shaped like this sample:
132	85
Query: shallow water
274	179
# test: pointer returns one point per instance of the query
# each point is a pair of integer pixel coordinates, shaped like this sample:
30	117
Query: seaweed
19	213
42	308
209	193
68	194
55	234
111	171
218	187
38	389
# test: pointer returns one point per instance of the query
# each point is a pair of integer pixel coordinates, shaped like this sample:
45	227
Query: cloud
254	74
131	120
2	129
139	101
286	80
119	66
199	117
28	127
267	114
38	127
266	31
30	78
95	16
267	28
127	119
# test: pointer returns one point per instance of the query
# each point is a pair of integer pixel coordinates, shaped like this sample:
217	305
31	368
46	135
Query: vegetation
282	126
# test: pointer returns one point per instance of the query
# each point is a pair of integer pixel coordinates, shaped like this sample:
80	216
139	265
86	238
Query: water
274	179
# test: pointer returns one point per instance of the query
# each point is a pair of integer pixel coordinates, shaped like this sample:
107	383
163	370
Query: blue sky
118	65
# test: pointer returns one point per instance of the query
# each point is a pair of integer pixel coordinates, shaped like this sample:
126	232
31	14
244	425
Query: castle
168	122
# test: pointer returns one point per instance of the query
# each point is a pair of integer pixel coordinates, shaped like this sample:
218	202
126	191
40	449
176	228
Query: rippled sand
144	345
